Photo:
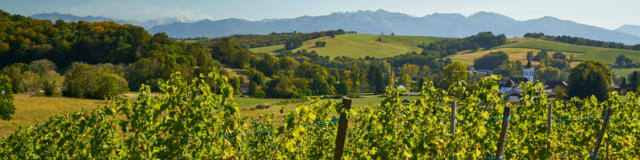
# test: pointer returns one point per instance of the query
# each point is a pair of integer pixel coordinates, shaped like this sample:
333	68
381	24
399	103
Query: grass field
360	45
618	72
607	55
267	49
32	109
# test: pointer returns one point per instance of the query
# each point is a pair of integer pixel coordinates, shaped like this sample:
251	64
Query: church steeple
528	72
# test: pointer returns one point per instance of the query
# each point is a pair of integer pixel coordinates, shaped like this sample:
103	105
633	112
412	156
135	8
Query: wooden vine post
506	116
453	120
549	127
594	155
343	124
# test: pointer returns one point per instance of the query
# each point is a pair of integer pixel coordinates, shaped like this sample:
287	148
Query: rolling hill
607	55
360	45
518	47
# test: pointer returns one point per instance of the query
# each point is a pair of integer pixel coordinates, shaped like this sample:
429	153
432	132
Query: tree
41	66
406	81
455	72
287	65
544	73
342	88
590	78
491	61
410	69
257	77
52	83
623	60
7	109
375	79
88	81
355	78
268	65
30	82
292	43
281	87
634	81
48	79
320	86
623	84
559	55
15	72
256	91
321	44
510	69
235	83
529	55
560	64
542	55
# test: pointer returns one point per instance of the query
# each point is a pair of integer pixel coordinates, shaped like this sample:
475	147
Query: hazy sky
603	13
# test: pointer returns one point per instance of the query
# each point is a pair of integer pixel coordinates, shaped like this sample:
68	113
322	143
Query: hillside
517	49
607	55
360	45
515	54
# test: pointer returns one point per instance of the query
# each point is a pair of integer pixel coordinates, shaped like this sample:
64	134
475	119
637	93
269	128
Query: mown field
517	49
515	54
360	45
607	55
32	109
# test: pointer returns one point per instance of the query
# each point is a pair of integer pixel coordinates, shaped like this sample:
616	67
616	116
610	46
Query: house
511	88
409	92
473	71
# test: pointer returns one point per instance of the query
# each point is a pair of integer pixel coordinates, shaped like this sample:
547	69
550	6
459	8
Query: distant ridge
381	21
72	18
631	29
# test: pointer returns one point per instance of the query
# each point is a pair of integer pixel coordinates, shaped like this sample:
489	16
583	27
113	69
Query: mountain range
379	22
73	18
631	29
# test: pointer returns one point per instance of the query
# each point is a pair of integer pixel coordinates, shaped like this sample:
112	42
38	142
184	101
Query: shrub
262	106
6	98
87	81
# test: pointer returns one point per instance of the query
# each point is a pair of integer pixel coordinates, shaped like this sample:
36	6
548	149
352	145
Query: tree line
255	40
581	41
447	47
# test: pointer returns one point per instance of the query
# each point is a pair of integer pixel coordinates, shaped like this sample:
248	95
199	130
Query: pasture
360	45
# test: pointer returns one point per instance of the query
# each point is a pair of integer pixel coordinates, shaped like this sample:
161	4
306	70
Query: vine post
453	120
343	124
503	134
601	134
549	127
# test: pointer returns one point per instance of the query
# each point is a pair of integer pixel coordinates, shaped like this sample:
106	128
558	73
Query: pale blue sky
603	13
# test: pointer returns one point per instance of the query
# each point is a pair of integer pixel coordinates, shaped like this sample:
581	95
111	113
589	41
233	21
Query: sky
608	14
